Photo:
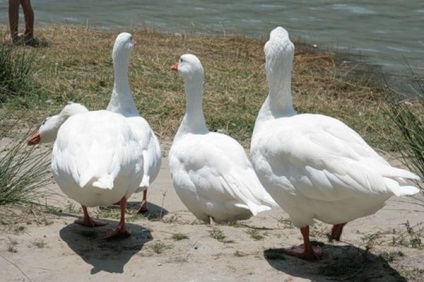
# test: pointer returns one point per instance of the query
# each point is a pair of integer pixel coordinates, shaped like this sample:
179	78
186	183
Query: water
389	33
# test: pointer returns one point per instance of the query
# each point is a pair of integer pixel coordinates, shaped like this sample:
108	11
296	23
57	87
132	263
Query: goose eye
45	120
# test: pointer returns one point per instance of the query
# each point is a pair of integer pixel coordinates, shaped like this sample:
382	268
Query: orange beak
174	67
35	139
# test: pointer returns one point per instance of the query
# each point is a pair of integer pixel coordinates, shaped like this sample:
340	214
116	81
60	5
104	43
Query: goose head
122	47
47	132
190	68
279	52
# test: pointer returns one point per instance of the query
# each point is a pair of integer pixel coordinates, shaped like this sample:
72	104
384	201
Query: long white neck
49	129
279	101
194	118
122	101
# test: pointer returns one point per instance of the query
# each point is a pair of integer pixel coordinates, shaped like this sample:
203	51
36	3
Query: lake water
389	33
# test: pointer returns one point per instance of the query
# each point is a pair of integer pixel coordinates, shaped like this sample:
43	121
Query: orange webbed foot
90	222
314	253
119	232
143	207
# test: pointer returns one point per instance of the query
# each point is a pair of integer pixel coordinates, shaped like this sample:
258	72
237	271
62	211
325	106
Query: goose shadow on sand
339	263
154	212
105	255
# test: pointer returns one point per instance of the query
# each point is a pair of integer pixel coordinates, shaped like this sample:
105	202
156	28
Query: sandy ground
168	244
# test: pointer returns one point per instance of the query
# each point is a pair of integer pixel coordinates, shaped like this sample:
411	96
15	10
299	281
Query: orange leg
305	251
121	230
143	205
87	220
336	232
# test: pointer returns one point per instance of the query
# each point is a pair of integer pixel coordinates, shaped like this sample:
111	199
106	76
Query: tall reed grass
16	64
407	116
24	170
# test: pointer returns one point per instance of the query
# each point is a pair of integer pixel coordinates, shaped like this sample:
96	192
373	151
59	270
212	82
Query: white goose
47	132
211	172
315	166
95	159
122	102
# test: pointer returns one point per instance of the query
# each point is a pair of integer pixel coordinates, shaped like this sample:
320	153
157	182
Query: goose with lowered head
211	172
122	102
314	166
47	132
95	160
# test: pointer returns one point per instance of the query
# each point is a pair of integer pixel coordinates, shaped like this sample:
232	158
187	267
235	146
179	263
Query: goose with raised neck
211	172
314	166
122	102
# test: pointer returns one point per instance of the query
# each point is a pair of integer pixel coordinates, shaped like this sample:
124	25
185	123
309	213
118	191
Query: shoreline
74	64
403	83
360	70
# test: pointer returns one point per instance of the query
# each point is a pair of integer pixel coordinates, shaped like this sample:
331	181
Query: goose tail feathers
105	182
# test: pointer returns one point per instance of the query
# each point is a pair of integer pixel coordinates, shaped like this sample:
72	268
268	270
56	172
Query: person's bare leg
29	19
13	19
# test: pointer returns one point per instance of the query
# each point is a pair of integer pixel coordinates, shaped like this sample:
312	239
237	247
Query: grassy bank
74	64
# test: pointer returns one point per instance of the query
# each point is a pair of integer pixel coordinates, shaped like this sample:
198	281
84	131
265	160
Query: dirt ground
168	244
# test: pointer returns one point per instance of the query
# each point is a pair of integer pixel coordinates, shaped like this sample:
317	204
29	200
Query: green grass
255	234
371	240
392	256
412	236
24	170
219	235
159	247
179	236
407	117
16	74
